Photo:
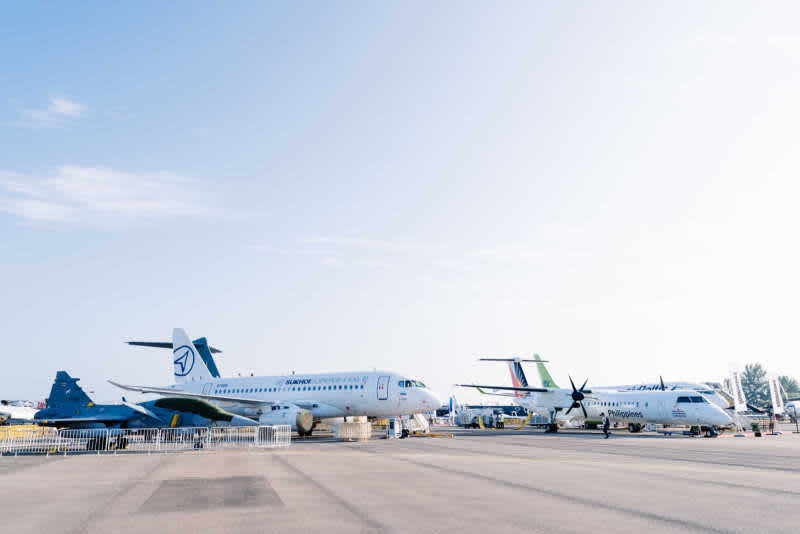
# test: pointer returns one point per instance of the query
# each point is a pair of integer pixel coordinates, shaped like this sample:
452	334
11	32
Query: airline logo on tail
518	378
184	360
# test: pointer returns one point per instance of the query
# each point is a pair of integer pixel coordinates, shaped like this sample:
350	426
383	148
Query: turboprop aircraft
306	397
68	406
713	395
633	408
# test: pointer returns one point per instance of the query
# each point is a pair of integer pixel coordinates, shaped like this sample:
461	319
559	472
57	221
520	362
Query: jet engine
300	419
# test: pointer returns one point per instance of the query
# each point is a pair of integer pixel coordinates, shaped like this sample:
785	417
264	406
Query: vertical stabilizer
66	390
544	375
518	378
188	366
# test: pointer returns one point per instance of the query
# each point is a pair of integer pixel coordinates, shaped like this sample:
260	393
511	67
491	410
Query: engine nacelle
300	419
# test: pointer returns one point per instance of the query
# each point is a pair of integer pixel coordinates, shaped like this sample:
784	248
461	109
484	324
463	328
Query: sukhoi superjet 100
299	400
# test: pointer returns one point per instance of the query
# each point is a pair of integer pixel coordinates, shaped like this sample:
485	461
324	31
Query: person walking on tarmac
606	424
501	420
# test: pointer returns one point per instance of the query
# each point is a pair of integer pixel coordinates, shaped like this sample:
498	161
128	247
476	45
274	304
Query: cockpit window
699	399
409	383
683	399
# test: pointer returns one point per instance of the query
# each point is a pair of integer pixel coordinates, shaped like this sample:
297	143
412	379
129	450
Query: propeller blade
663	388
584	385
572	384
567	412
586	415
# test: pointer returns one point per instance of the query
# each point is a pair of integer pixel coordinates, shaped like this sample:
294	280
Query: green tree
754	384
790	386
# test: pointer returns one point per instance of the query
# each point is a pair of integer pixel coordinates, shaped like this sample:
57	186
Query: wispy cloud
408	253
57	113
99	196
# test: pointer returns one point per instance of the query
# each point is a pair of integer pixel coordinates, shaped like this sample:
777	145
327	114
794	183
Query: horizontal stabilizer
168	345
510	360
200	344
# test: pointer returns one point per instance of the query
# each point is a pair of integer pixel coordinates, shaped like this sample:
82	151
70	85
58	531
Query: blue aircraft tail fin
66	390
201	344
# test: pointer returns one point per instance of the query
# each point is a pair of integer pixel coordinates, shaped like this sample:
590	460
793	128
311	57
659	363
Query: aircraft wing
509	388
186	394
68	421
199	407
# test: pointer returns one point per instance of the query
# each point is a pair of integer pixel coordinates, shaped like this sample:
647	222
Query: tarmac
477	481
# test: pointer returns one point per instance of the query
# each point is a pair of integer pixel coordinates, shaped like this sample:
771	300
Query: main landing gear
634	428
552	426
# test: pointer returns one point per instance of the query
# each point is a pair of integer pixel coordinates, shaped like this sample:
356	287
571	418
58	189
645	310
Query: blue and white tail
66	390
188	366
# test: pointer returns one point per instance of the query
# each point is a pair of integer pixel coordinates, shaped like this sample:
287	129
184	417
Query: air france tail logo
184	360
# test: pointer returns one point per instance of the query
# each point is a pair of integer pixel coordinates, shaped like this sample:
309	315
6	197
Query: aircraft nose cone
432	400
722	418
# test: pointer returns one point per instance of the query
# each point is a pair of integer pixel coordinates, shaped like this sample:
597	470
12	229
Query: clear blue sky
324	187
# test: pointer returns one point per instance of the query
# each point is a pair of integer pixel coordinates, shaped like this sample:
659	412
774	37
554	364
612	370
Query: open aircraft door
383	387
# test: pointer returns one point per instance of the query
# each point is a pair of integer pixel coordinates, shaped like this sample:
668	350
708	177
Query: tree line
756	388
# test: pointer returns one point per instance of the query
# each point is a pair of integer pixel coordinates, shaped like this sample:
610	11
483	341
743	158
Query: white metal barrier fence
147	440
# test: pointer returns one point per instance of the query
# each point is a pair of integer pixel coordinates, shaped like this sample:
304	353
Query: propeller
577	397
661	380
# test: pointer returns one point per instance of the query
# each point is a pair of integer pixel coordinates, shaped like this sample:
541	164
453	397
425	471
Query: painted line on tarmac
361	516
106	506
757	489
566	497
667	458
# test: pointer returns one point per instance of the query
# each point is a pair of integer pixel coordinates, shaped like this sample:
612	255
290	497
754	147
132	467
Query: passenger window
698	400
683	399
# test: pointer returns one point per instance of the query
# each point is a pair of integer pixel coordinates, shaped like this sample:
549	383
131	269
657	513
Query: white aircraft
713	395
14	413
634	408
298	400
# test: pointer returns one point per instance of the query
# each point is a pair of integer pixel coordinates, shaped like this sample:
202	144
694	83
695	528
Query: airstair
418	423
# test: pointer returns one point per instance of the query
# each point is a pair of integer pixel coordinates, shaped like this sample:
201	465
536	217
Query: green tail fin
544	376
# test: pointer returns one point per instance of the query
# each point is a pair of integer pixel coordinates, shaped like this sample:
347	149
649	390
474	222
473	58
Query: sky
354	185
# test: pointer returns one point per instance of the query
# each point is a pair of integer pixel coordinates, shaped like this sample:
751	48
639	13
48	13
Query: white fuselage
671	407
707	391
16	414
365	393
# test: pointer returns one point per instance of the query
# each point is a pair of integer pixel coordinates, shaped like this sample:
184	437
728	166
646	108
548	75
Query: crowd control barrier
143	440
